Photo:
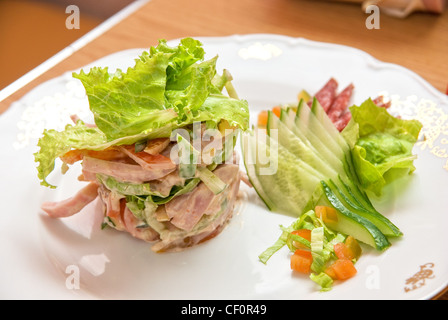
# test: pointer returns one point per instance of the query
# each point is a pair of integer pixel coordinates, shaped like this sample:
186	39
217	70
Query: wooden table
419	43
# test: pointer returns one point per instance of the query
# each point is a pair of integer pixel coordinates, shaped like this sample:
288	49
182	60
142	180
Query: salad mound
160	155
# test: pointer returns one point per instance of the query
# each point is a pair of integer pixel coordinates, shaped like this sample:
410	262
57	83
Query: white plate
41	257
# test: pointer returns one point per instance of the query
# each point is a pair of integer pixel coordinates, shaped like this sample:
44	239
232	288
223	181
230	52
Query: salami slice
343	120
379	101
340	103
327	93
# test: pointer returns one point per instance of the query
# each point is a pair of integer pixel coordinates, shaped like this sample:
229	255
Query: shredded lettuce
189	157
285	236
177	191
211	180
321	246
144	191
318	251
144	209
383	151
167	88
323	280
125	188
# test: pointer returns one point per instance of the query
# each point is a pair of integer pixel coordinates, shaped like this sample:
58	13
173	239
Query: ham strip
148	161
131	223
75	118
73	205
124	171
208	232
164	186
114	205
186	210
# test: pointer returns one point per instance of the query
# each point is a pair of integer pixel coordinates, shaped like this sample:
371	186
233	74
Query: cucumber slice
353	224
380	221
322	117
320	128
299	126
297	147
276	173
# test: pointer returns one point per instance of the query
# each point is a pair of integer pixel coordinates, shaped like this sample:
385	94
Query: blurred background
23	22
32	31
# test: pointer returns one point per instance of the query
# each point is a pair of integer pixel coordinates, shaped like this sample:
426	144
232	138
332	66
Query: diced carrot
341	269
342	251
327	214
349	250
330	272
276	110
73	156
354	247
263	118
304	233
301	261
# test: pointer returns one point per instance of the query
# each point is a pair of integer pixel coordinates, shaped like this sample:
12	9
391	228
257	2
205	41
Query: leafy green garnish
167	88
383	151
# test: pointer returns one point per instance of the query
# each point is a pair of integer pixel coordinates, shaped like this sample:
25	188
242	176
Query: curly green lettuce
167	88
383	151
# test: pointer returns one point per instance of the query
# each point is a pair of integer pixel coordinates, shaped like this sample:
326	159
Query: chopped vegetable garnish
312	245
341	269
350	250
327	214
262	119
276	110
303	233
301	261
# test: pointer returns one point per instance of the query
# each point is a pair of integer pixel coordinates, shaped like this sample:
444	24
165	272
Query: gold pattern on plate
434	134
418	280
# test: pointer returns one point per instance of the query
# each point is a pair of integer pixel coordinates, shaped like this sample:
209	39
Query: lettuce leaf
167	85
383	151
54	144
168	88
131	103
126	188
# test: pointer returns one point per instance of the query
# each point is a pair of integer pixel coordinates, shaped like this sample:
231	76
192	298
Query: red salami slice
340	103
379	101
326	95
343	120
